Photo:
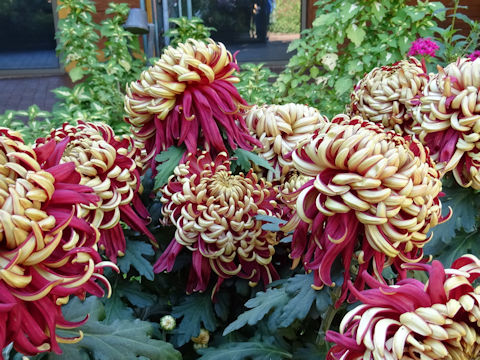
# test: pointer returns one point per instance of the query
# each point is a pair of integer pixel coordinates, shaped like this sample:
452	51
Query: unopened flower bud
168	323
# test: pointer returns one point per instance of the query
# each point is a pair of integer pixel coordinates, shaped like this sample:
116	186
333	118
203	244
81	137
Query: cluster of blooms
422	47
411	320
47	251
349	189
353	191
444	114
370	186
61	200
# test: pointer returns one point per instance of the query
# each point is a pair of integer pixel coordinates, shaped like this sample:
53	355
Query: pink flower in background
474	55
423	46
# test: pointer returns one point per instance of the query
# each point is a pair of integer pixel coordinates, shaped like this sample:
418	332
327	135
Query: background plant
99	75
347	39
452	43
255	79
33	122
185	28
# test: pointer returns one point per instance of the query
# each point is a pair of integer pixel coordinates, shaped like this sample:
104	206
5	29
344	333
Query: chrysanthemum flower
374	197
214	213
448	118
106	164
47	253
410	320
280	128
188	97
384	94
289	187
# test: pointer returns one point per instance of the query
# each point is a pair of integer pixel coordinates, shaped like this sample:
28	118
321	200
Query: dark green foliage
121	339
197	312
167	161
134	257
458	235
245	350
290	301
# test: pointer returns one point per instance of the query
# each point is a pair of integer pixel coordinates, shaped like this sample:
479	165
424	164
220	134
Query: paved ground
20	93
20	89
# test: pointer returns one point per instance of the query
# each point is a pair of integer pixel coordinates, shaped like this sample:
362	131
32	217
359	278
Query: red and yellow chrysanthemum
107	165
188	97
47	252
411	320
384	95
280	128
214	215
448	120
374	198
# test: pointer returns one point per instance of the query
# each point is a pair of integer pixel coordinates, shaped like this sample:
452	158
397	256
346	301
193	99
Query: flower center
225	186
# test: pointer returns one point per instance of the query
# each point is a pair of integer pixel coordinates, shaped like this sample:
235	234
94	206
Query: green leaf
245	350
134	257
125	64
168	160
465	18
244	157
120	340
416	15
463	223
76	74
302	296
115	308
356	34
465	205
343	85
291	301
310	352
324	19
404	44
133	292
378	10
196	309
348	12
272	223
462	244
259	306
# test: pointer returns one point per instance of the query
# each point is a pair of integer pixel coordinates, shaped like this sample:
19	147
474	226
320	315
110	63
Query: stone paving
20	93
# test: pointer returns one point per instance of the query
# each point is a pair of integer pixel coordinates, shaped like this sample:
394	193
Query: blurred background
27	28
